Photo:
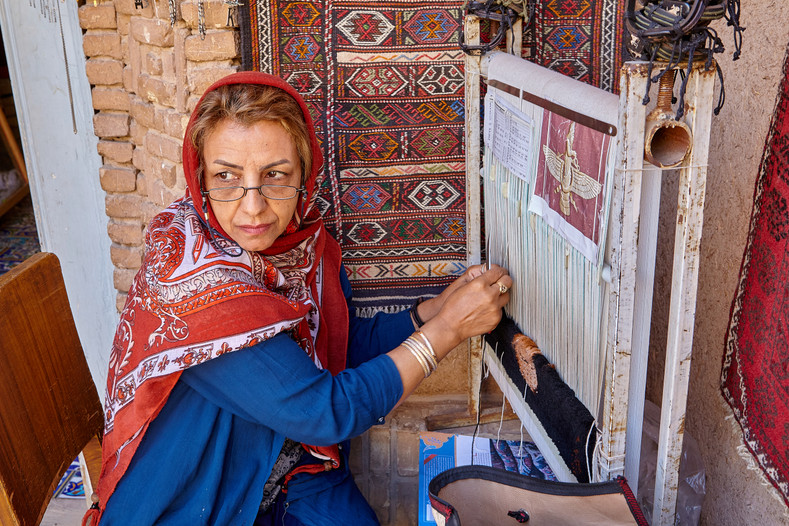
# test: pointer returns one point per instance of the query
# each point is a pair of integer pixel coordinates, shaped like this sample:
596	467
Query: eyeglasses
269	191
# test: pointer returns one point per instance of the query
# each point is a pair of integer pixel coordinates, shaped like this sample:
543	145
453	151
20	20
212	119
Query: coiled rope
678	32
505	12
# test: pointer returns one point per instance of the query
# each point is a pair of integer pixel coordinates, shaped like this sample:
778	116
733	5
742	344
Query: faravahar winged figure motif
565	169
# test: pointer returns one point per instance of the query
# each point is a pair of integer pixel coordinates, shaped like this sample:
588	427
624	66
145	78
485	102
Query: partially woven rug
755	378
384	82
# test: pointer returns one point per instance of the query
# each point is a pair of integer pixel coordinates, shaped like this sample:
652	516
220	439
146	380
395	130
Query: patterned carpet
385	84
755	376
18	236
70	486
580	39
384	81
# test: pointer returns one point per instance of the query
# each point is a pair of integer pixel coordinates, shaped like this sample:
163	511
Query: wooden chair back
49	407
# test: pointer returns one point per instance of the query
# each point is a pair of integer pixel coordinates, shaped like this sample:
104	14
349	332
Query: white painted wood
63	165
632	87
473	196
622	253
87	483
682	309
645	279
473	145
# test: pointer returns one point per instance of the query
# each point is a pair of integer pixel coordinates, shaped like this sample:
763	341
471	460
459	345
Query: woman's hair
248	104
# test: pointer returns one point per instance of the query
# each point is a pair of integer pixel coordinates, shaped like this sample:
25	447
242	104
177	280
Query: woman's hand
471	308
430	307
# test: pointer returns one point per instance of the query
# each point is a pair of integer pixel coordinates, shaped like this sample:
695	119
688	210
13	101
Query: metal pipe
667	140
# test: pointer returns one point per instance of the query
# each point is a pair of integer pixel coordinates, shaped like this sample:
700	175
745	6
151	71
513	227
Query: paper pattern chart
509	133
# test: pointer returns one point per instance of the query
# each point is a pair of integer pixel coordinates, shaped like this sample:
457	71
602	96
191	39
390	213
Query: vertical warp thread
557	298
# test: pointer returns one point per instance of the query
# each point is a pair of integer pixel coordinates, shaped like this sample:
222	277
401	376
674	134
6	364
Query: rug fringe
369	312
751	462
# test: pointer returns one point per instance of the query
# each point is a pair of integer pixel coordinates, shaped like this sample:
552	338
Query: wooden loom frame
634	239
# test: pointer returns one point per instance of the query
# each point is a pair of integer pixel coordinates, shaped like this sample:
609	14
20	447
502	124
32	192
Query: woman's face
238	155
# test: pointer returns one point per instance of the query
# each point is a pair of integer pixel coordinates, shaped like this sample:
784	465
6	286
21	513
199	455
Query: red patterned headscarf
192	275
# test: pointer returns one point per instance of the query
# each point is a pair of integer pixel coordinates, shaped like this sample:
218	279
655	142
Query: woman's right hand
472	309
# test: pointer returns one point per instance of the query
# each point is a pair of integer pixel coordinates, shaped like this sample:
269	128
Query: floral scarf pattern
198	295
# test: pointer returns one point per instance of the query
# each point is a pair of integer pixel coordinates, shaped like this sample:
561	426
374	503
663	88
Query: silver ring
503	288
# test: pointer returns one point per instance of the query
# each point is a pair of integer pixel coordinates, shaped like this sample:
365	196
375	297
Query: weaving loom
571	209
547	184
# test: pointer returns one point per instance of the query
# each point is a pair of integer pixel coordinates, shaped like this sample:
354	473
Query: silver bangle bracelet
428	344
421	354
421	361
423	351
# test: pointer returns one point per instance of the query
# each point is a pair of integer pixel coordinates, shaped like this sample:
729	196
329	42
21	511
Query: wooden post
473	196
684	284
642	320
12	147
623	253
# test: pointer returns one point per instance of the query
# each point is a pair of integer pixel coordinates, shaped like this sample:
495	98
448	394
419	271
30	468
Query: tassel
93	515
172	7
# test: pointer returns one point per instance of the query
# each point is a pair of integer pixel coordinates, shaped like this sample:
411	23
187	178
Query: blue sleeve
370	337
275	383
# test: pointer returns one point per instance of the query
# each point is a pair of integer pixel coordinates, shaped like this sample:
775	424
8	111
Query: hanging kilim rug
384	83
755	379
580	39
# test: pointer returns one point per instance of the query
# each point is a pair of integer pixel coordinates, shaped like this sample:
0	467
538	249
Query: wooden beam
14	198
622	252
487	415
684	285
12	146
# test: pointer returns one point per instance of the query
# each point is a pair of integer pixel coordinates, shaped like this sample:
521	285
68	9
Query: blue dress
207	456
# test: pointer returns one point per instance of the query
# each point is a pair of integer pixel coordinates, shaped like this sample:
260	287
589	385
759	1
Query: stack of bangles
423	352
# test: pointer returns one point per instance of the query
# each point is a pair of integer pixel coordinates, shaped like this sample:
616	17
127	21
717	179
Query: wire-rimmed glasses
280	192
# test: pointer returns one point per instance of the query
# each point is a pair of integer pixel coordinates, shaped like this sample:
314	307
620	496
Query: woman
238	366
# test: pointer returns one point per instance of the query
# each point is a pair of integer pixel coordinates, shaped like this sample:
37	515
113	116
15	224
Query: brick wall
146	75
385	459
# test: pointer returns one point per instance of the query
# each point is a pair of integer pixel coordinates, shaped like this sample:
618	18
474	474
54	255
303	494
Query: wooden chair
49	408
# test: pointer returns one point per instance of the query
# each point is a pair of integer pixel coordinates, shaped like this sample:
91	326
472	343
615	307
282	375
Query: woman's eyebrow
273	164
228	164
261	169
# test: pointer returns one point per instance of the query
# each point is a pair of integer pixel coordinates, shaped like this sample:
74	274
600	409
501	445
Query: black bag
482	495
